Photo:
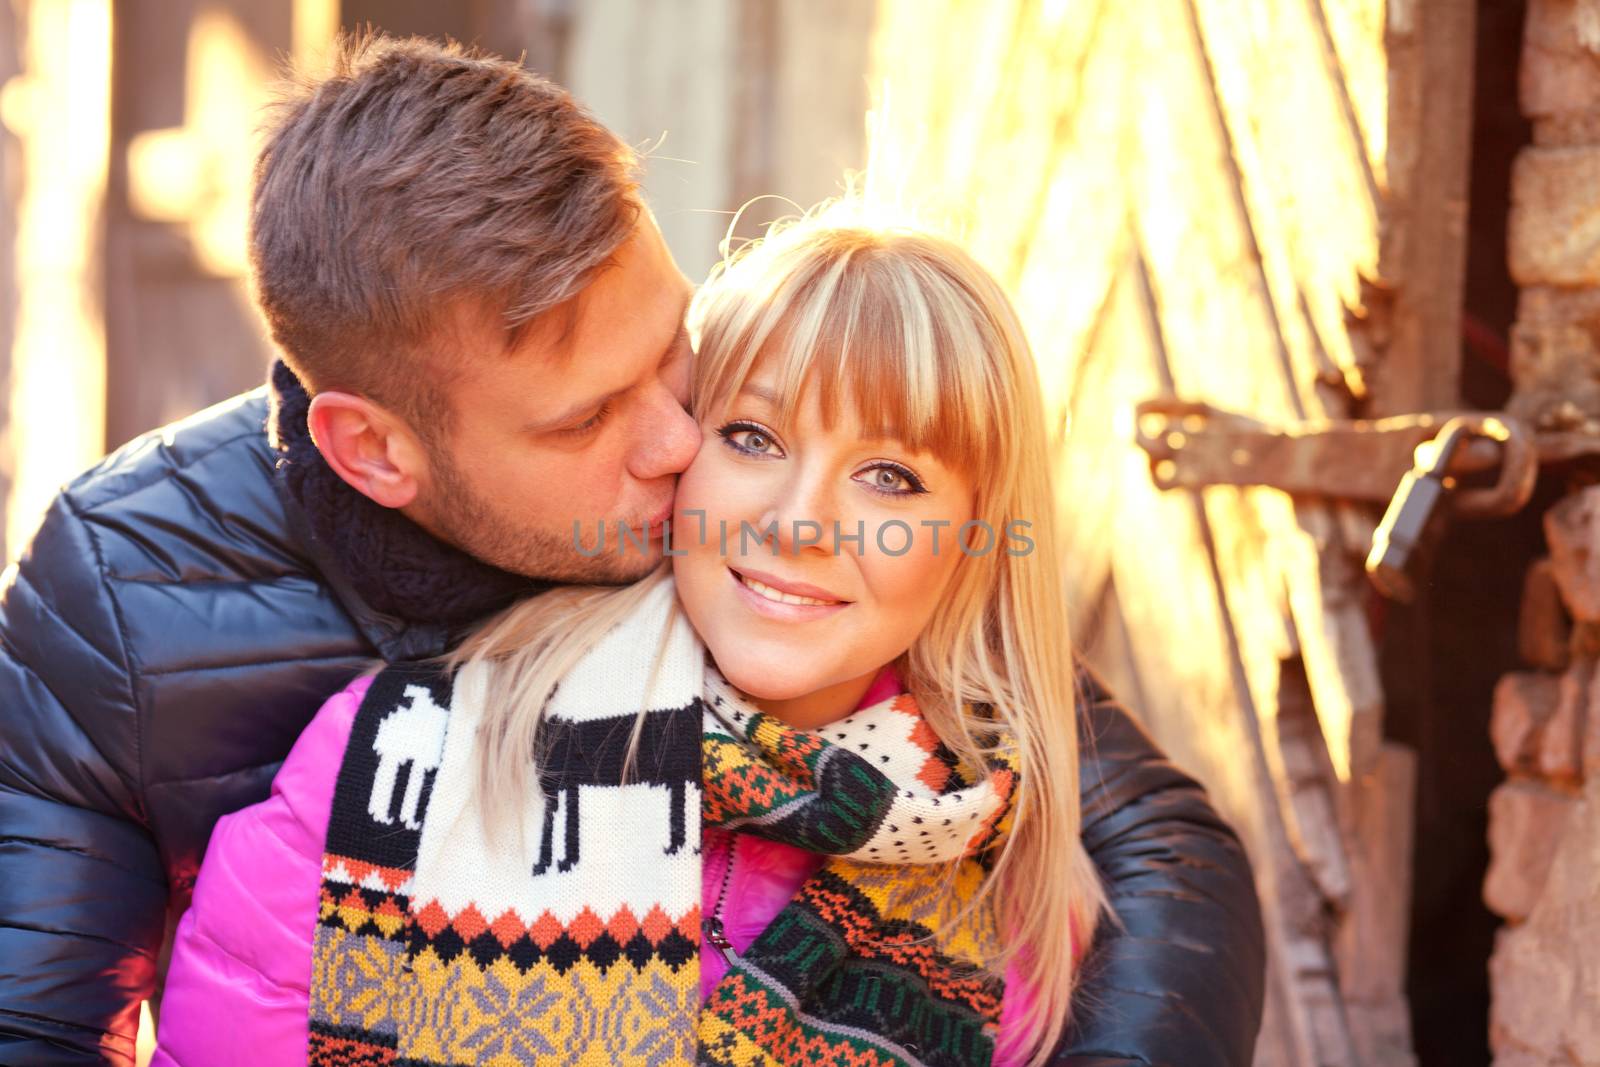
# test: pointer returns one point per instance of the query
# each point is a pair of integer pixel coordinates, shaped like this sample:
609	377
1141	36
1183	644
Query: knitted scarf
576	939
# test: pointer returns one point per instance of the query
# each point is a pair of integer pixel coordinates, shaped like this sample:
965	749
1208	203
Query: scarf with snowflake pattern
575	938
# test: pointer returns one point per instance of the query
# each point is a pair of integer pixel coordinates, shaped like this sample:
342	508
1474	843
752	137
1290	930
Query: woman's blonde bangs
875	320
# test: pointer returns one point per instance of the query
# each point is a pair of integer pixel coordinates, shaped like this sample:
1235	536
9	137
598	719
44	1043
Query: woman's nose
804	515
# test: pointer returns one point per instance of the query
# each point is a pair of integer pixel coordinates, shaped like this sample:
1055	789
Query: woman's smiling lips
778	598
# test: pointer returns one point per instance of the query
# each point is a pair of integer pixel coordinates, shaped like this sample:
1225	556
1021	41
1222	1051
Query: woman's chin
765	680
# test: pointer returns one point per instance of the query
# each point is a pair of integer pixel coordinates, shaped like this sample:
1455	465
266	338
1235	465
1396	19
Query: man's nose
668	438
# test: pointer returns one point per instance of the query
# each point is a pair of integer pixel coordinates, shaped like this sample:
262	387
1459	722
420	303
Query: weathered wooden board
731	101
1220	200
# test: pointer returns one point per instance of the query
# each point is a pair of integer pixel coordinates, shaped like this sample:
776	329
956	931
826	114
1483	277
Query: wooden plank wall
737	100
731	100
181	332
1210	199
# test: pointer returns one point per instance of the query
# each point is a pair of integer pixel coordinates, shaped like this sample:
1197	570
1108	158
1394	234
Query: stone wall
1544	822
1555	221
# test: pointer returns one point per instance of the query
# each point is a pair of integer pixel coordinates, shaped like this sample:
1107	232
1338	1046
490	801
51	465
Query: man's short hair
417	182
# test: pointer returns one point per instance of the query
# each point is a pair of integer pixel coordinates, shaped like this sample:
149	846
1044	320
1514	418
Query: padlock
1427	484
1409	513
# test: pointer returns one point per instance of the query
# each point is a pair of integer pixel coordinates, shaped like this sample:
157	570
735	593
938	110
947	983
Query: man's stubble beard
471	523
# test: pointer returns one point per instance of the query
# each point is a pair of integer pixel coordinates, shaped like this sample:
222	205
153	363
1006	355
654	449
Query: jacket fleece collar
409	590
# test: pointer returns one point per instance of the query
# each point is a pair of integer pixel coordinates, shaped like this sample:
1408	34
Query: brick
1556	371
1539	304
1523	703
1544	630
1510	1055
1560	69
1555	358
1590	739
1545	973
1564	131
1561	740
1586	640
1554	228
1572	530
1526	820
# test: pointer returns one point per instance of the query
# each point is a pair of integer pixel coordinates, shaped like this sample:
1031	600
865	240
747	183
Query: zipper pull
719	940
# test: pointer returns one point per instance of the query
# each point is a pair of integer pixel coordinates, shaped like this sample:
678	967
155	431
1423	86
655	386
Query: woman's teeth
783	598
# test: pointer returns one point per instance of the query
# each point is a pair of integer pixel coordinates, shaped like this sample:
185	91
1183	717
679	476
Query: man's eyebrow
679	340
573	411
595	403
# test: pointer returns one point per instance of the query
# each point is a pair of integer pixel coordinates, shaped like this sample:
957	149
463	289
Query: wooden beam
1432	51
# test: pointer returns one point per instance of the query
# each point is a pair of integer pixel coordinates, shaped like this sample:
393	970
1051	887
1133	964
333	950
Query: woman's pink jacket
238	986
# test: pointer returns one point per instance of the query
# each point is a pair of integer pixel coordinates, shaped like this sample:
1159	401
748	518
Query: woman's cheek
702	489
910	585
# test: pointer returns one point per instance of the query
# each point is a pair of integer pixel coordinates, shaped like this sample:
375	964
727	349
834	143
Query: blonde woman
856	671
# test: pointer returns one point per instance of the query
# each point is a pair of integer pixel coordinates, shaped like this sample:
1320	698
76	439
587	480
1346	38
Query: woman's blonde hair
913	331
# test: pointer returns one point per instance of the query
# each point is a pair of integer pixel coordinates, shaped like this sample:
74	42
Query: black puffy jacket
168	634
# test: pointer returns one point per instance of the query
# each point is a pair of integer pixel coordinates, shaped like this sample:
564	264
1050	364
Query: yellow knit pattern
732	1045
500	1016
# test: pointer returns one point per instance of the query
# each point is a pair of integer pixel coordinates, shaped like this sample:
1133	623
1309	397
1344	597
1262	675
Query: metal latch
1194	445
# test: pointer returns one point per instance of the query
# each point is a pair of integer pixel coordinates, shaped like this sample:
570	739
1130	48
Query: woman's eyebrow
875	434
760	393
883	435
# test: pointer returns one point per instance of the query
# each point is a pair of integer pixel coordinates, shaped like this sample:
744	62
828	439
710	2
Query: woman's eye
893	479
749	439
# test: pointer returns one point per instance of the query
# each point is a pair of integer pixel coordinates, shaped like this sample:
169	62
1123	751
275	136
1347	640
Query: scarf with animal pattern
576	938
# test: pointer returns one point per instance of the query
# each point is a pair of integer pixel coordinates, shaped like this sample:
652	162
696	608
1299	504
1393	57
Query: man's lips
655	526
786	585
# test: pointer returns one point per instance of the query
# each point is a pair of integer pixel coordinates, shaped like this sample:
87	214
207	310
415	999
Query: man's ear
368	447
